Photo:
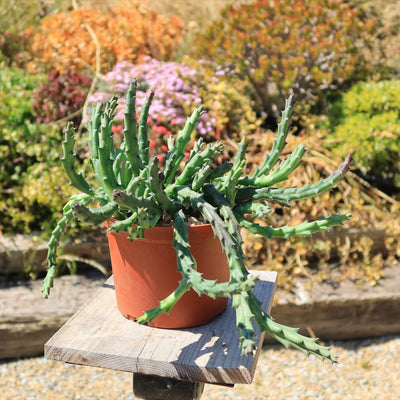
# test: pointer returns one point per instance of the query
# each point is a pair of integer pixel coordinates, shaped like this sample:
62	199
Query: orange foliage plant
128	32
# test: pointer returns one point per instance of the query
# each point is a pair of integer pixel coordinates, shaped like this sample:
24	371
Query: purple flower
177	92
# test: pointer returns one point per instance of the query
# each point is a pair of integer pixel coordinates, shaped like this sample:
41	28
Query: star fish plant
139	193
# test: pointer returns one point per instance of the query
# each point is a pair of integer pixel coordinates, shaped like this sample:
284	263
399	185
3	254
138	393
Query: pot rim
162	233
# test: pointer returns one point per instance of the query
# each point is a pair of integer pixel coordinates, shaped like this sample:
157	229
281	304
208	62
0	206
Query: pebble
367	370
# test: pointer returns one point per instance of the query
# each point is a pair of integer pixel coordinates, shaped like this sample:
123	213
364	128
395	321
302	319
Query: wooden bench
166	363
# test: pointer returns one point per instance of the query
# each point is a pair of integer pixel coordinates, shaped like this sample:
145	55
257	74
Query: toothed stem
286	195
106	148
156	186
93	216
279	143
176	154
130	129
197	161
188	268
133	203
68	162
55	238
229	186
286	232
280	173
289	336
123	225
143	140
165	305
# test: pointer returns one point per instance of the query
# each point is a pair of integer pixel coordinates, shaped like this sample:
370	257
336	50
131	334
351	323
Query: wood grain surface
99	336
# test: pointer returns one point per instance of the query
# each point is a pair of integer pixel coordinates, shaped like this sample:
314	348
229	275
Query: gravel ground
368	369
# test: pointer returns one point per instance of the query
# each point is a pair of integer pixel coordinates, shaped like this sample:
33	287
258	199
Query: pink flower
160	129
117	128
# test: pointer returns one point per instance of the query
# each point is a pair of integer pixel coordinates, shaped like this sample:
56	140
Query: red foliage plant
280	45
61	96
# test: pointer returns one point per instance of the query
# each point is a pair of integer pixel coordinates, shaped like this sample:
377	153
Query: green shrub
18	15
14	49
305	46
28	152
366	121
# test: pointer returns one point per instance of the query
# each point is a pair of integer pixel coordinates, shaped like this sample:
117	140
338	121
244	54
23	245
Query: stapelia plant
139	193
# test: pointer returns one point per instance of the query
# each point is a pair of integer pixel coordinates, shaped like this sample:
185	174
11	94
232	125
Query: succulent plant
140	193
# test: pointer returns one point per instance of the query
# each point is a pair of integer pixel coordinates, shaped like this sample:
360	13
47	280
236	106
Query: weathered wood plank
99	336
27	320
20	253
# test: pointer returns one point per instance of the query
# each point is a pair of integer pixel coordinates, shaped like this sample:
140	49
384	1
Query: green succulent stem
197	161
106	148
124	225
279	143
68	162
288	336
130	129
286	232
165	305
94	127
229	186
286	195
188	268
279	174
143	140
133	203
56	234
177	153
157	187
93	216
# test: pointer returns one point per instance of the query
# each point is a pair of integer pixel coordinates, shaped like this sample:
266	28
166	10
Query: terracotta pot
145	272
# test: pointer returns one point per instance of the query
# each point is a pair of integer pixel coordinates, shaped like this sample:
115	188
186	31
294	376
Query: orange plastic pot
145	272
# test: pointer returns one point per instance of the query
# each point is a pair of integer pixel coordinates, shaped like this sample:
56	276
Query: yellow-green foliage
18	15
366	122
40	193
28	152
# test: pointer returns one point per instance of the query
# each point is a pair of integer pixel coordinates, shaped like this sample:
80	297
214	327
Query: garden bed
24	254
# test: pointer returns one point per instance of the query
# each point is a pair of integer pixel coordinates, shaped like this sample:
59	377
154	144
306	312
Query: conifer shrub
282	45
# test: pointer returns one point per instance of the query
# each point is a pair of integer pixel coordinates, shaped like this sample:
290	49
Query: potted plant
137	198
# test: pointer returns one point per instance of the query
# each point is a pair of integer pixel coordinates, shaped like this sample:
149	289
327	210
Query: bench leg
149	387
